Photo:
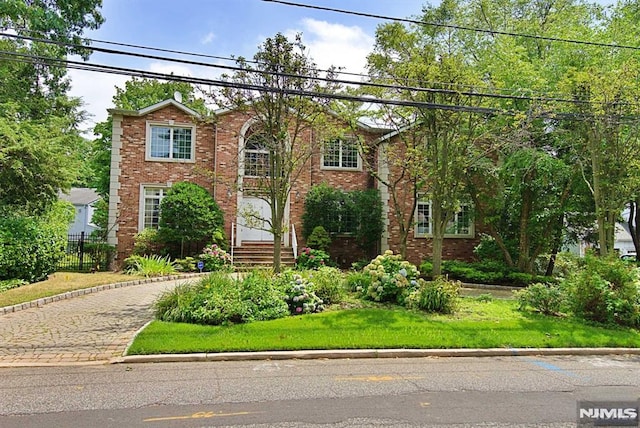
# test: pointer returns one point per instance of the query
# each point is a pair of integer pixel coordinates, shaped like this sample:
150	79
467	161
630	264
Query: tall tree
40	144
280	91
447	118
545	189
43	31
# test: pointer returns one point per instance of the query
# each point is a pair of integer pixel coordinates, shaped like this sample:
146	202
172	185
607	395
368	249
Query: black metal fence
85	253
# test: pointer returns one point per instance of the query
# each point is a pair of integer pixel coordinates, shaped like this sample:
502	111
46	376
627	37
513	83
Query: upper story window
170	143
257	157
461	225
341	153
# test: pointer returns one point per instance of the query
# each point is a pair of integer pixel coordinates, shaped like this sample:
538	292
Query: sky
226	28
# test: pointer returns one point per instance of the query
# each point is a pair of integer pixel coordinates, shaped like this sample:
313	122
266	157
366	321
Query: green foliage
149	266
484	298
319	239
328	284
32	246
326	206
37	159
392	279
188	264
440	295
367	211
8	284
100	253
146	243
100	218
606	291
215	258
484	272
300	296
357	213
220	299
311	259
188	213
358	281
548	299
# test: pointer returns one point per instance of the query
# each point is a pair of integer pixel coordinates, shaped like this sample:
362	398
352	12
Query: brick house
165	143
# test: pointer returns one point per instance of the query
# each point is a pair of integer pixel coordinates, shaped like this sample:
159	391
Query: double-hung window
150	204
170	143
460	225
341	153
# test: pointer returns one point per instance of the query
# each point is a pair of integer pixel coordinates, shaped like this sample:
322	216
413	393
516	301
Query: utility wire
454	27
28	58
21	57
297	76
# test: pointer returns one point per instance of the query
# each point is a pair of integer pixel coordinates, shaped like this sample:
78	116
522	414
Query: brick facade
215	167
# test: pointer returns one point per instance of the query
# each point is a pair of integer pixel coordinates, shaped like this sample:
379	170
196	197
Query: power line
28	58
297	76
455	27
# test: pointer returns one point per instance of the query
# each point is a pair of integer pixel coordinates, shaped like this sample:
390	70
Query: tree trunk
524	245
438	238
634	219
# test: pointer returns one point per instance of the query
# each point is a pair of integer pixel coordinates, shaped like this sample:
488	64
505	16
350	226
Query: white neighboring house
623	241
83	200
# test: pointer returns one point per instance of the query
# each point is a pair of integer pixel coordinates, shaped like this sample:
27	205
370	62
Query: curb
368	353
84	291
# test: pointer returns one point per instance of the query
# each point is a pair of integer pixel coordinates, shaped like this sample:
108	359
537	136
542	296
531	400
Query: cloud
208	38
335	44
169	68
97	91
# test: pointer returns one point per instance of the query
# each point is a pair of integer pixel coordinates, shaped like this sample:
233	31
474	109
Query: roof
155	107
80	196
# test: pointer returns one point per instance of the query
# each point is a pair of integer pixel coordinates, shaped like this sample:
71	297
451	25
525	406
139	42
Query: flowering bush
392	279
301	298
311	259
215	258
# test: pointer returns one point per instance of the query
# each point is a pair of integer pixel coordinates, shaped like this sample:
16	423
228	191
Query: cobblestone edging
81	292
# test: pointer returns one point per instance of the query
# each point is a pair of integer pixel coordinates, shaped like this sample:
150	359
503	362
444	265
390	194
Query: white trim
385	197
155	107
359	161
114	185
142	198
171	125
471	233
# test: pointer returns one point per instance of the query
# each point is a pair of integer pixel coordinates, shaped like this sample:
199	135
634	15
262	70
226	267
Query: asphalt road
413	392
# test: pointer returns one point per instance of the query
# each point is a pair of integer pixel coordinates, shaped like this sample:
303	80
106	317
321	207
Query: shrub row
485	272
221	299
605	291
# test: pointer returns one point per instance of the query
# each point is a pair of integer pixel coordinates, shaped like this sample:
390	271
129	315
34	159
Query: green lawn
495	324
59	283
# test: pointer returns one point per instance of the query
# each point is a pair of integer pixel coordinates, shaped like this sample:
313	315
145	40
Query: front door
252	224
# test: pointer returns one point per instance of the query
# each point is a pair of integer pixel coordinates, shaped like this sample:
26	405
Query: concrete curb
81	292
368	353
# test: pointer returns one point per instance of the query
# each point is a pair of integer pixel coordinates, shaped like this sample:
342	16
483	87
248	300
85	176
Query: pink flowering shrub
311	259
215	258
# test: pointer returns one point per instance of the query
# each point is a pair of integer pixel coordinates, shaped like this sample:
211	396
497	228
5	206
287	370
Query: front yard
477	324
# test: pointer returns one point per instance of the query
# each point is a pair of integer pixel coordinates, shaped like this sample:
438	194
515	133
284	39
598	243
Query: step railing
294	241
233	241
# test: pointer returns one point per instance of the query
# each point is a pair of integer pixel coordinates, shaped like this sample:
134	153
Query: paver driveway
90	328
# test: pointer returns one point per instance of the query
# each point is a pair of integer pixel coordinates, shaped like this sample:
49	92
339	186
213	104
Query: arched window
257	158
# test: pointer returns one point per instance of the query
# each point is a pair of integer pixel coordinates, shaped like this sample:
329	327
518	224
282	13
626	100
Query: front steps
260	255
